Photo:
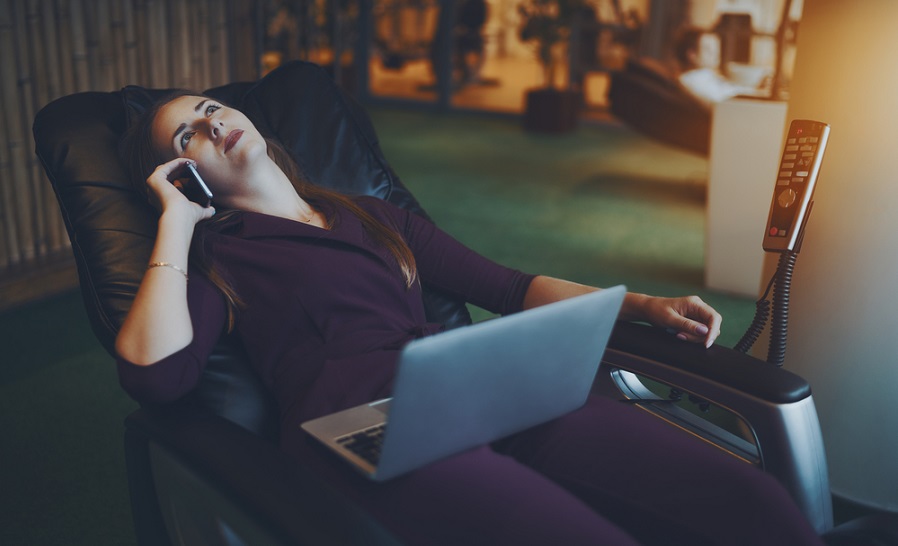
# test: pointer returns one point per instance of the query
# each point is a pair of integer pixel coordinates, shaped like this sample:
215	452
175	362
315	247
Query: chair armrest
214	482
715	365
776	406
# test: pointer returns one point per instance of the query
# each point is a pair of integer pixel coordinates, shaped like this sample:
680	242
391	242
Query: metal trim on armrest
775	404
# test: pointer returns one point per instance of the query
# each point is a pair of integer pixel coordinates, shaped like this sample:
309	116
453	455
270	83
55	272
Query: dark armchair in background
206	469
648	98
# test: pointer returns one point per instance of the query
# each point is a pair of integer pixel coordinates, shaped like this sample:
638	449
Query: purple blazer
326	311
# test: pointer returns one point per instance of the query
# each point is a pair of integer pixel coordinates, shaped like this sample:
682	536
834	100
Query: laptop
473	385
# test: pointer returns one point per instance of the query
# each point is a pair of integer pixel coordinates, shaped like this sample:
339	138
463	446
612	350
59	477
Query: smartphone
193	187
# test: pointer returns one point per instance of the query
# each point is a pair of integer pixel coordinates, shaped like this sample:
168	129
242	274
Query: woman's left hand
690	318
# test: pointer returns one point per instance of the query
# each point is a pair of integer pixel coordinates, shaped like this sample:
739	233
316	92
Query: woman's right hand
158	323
169	199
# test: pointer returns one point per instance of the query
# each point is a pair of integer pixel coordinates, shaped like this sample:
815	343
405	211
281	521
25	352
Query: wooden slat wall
51	48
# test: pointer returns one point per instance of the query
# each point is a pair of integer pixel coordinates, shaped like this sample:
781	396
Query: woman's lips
232	139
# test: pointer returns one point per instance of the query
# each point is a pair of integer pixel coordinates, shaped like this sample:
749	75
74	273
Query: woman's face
223	142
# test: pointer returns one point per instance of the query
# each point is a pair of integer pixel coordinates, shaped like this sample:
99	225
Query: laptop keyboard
366	443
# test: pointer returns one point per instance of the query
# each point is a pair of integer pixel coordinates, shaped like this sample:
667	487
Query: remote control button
789	165
801	173
791	140
813	139
790	157
798	180
773	231
802	140
793	148
782	182
787	198
785	173
807	148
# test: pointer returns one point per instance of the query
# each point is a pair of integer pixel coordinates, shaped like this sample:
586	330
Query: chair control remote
795	183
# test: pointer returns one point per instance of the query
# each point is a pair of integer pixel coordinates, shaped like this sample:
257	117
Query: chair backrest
112	228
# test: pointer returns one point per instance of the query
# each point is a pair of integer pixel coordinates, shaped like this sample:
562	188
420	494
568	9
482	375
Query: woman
324	291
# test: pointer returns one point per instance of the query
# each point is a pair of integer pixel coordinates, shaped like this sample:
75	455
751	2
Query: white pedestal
746	144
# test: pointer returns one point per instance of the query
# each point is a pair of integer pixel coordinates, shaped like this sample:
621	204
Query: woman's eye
185	138
211	108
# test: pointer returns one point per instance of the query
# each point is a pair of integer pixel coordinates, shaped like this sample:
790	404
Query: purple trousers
607	473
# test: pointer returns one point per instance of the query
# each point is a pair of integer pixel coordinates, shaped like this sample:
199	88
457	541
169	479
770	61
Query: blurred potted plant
317	32
547	23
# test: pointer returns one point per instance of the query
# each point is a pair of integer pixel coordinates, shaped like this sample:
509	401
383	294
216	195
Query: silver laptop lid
474	385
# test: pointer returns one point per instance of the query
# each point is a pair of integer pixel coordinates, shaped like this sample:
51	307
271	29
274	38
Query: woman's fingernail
682	336
701	329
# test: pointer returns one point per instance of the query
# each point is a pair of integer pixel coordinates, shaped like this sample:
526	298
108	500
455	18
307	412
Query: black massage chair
206	469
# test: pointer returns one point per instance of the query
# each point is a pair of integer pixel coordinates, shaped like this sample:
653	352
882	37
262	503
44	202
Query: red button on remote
773	231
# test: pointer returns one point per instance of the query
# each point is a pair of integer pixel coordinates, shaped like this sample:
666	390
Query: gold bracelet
172	266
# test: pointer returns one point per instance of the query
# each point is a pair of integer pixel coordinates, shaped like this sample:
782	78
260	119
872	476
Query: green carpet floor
600	206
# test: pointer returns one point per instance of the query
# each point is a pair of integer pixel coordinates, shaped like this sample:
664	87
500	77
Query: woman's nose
216	128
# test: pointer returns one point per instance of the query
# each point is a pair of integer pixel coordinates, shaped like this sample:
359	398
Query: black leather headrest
112	228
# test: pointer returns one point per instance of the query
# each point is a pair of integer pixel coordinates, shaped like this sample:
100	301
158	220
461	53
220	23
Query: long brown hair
141	158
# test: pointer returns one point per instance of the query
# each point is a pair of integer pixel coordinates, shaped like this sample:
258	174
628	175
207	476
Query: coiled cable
781	282
762	310
779	324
